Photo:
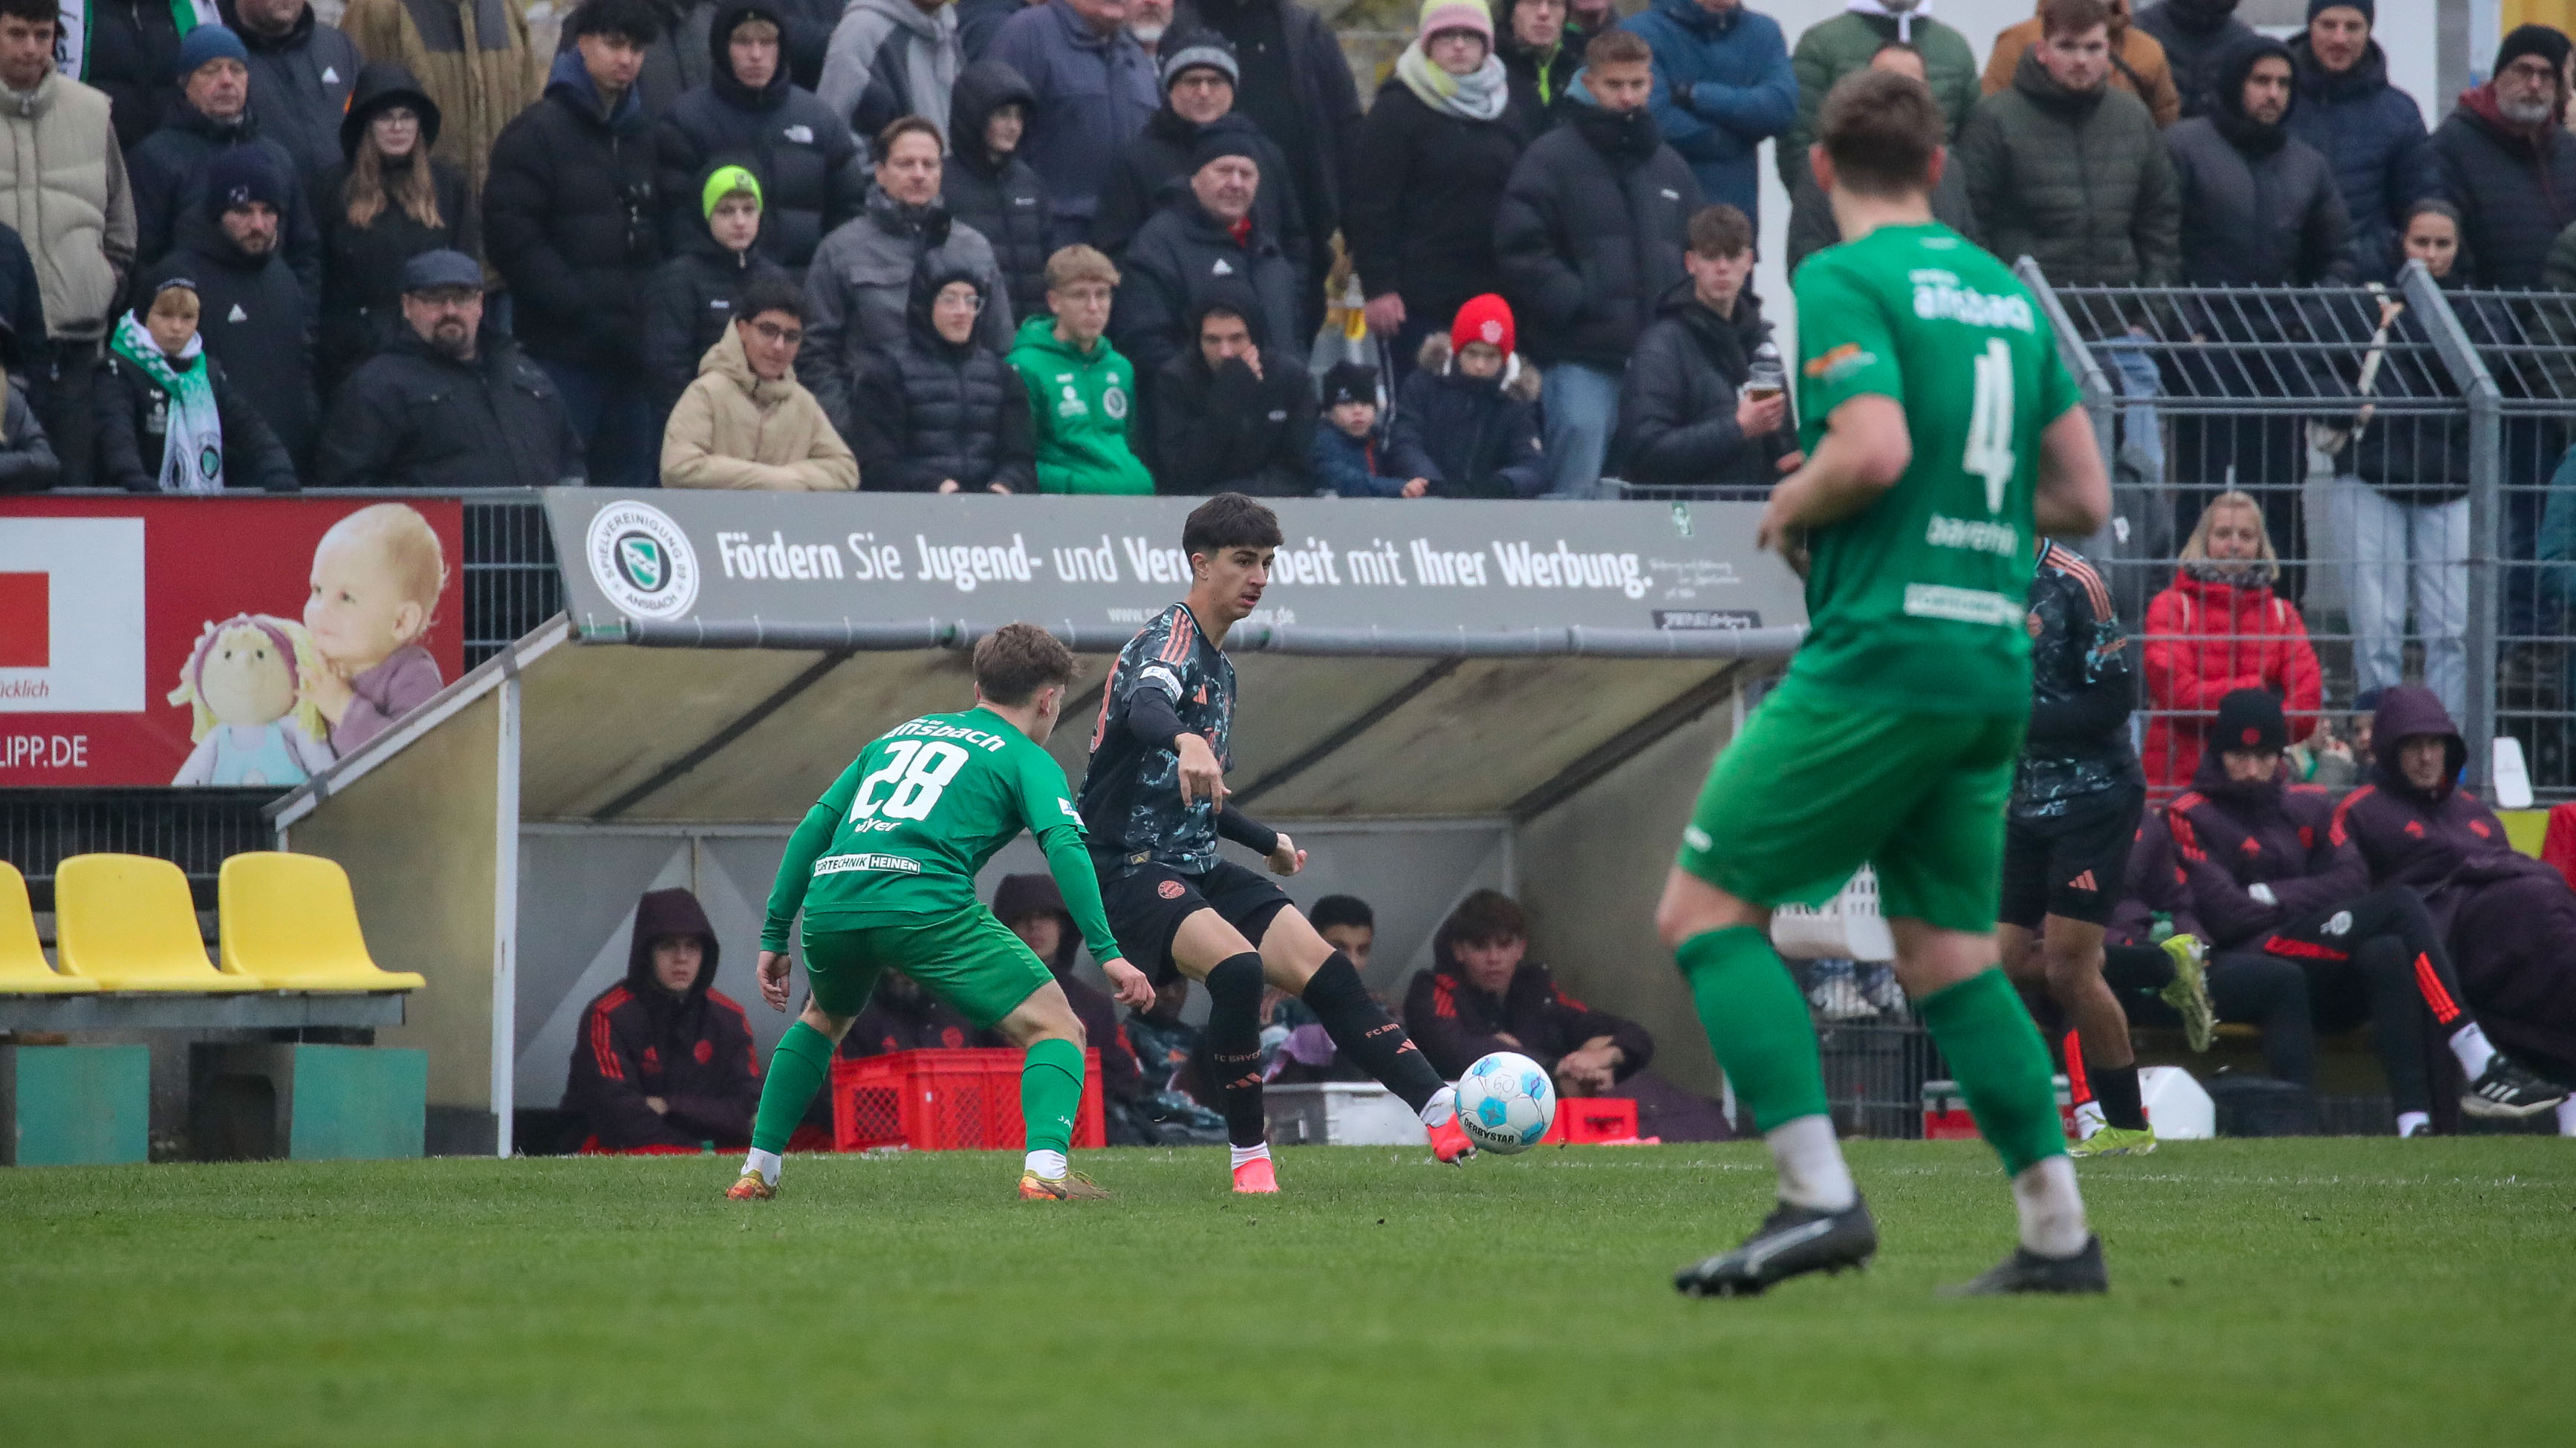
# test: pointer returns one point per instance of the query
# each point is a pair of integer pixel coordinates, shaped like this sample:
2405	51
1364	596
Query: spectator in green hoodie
1081	392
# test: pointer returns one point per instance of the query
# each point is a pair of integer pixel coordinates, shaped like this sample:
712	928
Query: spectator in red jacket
665	1061
2221	628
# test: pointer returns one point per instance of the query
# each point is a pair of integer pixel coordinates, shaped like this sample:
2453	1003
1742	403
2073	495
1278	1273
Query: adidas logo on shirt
237	314
1221	269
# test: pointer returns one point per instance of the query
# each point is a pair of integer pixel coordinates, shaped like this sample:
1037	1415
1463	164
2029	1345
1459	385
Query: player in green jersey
884	869
1942	435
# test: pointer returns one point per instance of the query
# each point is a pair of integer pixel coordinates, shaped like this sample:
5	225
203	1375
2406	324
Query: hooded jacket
2207	639
2259	206
258	324
1305	99
1154	169
1677	399
2194	34
921	65
362	266
1723	86
688	308
64	190
735	429
1082	411
169	175
997	195
812	174
569	220
1472	437
692	1051
2372	136
1023	895
300	86
934	410
412	418
2138	66
1454	1022
2078	181
1833	48
1420	218
1176	260
1591	232
472	56
2516	189
1220	430
2228	836
132	413
858	293
1094	94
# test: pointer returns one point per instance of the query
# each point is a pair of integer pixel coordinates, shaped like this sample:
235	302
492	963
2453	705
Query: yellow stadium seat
290	923
22	960
126	922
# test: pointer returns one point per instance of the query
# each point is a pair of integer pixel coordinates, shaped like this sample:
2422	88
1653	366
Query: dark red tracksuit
693	1051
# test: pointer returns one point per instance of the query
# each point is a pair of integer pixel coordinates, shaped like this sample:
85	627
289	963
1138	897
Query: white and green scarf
1479	96
71	51
192	441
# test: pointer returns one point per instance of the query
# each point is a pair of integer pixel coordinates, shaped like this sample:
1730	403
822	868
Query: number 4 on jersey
1990	424
918	772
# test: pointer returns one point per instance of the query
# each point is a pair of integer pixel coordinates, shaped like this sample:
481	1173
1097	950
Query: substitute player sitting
884	869
1943	435
1154	799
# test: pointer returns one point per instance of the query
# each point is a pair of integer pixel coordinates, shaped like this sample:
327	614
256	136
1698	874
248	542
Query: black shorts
1147	903
2074	865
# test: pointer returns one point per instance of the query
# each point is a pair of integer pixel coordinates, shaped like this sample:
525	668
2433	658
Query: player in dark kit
1154	805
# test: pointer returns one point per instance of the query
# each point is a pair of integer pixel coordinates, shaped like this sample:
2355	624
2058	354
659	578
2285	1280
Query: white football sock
2052	1212
763	1162
1048	1164
2469	1044
1810	1163
2408	1120
2090	1118
1243	1154
1442	1108
2567	1117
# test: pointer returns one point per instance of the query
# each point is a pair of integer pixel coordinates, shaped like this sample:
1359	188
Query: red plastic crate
946	1101
1582	1120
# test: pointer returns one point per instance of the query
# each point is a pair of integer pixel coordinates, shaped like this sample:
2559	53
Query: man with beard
447	404
257	320
2506	163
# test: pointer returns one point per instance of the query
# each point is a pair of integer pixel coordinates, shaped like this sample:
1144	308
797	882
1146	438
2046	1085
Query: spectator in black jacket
1541	53
1295	84
302	74
257	323
1434	156
750	114
388	201
1350	458
2259	207
569	218
692	297
210	118
1033	907
1685	416
2507	162
169	420
22	312
2370	132
131	52
1484	994
2196	34
27	461
1590	235
1231	414
1207	237
944	413
1198	76
986	184
1467	419
446	404
665	1060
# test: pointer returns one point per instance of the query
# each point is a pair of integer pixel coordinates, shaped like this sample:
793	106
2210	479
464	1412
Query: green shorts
1812	789
969	960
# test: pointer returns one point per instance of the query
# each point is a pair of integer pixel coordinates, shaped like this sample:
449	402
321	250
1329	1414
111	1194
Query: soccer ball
1505	1102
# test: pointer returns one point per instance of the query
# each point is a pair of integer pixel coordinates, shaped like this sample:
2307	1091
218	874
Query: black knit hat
1226	136
2250	719
241	176
1350	382
2369	9
2540	40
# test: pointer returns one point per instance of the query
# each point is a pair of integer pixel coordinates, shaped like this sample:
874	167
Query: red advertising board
218	641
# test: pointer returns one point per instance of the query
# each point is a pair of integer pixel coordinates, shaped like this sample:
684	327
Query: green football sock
1756	1023
1050	1093
2001	1065
796	1071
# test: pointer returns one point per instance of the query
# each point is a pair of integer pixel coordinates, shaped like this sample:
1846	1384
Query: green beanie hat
726	181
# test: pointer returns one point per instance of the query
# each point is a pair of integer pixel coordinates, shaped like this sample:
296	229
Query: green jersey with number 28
1917	603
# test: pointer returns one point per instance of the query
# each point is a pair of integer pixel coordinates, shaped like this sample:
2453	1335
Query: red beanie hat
1486	319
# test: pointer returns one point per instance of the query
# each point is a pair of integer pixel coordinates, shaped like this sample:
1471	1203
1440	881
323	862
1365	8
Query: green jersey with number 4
906	828
1918	602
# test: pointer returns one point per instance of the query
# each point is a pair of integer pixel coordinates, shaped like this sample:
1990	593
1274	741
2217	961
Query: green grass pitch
2330	1292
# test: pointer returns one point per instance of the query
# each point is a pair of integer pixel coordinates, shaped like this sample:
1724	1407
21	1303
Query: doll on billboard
376	581
255	719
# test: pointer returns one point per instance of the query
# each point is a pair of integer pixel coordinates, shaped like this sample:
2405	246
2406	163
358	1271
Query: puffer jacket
2516	189
1723	86
2228	836
693	1051
132	53
2206	639
63	189
362	266
411	418
1473	437
735	429
1154	168
921	64
689	307
2081	183
169	175
27	460
1834	48
1677	400
858	293
933	411
997	195
2138	66
2373	136
2194	34
1591	233
1174	261
569	220
300	85
812	175
472	56
1082	409
1420	221
2259	206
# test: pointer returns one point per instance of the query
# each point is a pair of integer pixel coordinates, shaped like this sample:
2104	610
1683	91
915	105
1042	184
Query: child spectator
169	420
945	413
1685	416
746	422
1082	394
987	185
386	203
376	579
1467	419
691	302
27	461
664	1061
1347	450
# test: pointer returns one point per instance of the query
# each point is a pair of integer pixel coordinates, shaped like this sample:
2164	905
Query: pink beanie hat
1439	15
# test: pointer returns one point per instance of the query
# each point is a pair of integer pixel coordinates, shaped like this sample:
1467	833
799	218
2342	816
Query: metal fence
511	584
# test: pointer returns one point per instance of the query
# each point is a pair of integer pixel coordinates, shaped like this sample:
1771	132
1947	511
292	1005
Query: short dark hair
1016	660
1881	130
1720	230
2072	17
902	126
34	12
1617	47
634	20
1335	910
1229	520
770	294
1486	917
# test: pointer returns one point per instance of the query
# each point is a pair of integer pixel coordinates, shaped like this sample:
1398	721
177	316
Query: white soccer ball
1505	1102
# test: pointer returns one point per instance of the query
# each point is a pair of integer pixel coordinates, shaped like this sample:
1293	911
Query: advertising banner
785	560
217	641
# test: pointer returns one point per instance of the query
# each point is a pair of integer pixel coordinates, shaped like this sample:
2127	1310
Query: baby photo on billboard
376	579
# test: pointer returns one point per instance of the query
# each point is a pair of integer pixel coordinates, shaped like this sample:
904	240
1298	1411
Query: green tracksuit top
1082	407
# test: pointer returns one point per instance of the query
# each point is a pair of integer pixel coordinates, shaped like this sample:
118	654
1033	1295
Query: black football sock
1234	1045
2136	969
1362	1030
2116	1087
